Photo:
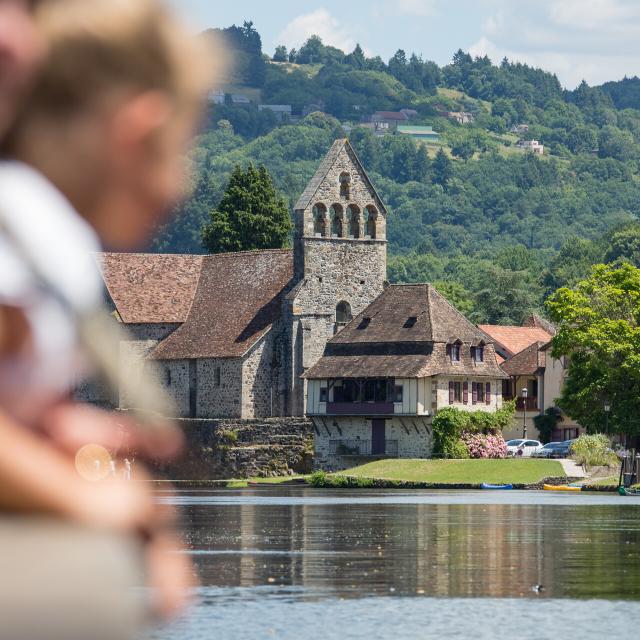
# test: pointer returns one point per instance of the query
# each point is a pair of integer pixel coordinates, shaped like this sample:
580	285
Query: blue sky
597	40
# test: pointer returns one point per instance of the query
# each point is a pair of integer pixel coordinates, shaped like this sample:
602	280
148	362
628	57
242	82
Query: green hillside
496	227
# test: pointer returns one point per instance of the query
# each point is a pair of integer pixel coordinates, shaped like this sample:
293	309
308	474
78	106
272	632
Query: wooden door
378	437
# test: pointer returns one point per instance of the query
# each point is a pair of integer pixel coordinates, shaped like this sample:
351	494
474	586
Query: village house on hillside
382	378
230	335
524	352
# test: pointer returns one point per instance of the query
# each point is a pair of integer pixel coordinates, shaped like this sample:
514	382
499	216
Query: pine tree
251	215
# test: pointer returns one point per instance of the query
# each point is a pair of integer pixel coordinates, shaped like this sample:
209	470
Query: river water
295	563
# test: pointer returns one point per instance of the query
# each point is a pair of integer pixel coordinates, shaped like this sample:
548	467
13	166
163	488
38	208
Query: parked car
555	450
528	447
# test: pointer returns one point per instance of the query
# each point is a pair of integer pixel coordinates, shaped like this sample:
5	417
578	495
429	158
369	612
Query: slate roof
404	333
239	296
528	362
514	339
141	291
325	167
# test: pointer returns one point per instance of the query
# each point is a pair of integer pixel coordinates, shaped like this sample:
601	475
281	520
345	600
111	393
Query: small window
398	393
457	391
364	323
477	354
455	352
167	377
479	394
217	377
324	394
411	322
345	185
343	313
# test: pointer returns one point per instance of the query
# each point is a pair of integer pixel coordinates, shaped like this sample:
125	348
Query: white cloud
594	40
320	23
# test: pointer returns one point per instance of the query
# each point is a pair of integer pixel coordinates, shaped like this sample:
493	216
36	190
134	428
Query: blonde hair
98	46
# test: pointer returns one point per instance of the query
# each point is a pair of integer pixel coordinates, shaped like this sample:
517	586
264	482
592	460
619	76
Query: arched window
345	184
343	313
320	220
336	221
353	218
372	217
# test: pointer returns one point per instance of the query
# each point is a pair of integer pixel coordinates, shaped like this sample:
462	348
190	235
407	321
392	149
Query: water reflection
414	544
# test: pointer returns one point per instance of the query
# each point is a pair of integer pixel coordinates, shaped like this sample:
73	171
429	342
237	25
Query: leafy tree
442	169
547	422
624	245
281	54
599	333
457	295
250	215
463	149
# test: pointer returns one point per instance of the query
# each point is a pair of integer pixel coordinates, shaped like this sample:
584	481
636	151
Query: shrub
546	423
318	479
448	426
485	446
593	451
228	436
457	450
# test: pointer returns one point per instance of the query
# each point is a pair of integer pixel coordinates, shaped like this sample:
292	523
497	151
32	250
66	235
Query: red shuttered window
487	395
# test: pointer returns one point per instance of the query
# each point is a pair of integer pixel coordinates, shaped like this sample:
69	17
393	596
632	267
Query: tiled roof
141	291
528	362
239	296
404	333
325	166
391	115
515	339
436	319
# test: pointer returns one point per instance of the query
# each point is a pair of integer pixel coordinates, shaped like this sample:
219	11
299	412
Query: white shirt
62	244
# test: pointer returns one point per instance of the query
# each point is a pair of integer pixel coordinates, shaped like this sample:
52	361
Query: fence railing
362	448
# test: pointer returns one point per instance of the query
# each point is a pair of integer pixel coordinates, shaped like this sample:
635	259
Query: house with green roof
419	132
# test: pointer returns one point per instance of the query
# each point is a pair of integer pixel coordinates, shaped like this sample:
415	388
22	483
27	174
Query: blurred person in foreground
93	159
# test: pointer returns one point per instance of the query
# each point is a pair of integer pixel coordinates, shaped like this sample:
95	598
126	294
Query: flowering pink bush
481	446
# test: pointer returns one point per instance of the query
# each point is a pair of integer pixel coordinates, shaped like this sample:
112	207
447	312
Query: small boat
560	487
623	491
486	485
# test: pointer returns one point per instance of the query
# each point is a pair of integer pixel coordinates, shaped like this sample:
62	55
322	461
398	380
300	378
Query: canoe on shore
560	487
486	485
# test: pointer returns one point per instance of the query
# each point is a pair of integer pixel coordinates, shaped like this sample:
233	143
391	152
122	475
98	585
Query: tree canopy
599	334
250	215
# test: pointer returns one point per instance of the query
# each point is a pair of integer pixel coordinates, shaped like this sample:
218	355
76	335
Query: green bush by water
594	451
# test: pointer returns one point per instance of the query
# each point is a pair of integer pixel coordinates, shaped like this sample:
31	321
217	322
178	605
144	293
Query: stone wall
413	434
222	400
222	449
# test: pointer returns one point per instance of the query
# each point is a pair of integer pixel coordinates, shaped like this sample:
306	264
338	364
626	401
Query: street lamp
525	393
607	409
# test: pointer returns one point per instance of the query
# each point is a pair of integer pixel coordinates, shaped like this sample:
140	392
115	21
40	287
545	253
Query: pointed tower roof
325	167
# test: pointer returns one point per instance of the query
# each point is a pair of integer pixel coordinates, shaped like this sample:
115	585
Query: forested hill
496	227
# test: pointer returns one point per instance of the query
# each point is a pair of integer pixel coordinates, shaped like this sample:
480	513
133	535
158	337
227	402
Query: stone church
231	335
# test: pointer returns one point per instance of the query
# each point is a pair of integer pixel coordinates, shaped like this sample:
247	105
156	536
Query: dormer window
453	351
411	322
477	354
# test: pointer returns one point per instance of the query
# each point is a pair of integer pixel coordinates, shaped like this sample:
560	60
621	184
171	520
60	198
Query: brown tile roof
436	319
142	292
528	362
239	296
325	166
404	333
515	339
391	115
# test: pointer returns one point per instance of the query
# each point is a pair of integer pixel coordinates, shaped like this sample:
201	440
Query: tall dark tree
251	215
442	168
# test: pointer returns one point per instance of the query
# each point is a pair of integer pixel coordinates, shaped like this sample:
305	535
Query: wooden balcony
360	408
531	404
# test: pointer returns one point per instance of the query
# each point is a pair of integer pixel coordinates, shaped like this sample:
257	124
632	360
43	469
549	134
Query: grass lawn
506	471
241	484
611	481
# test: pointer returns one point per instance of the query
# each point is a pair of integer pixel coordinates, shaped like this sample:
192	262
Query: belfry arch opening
336	221
372	221
345	184
320	220
353	219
